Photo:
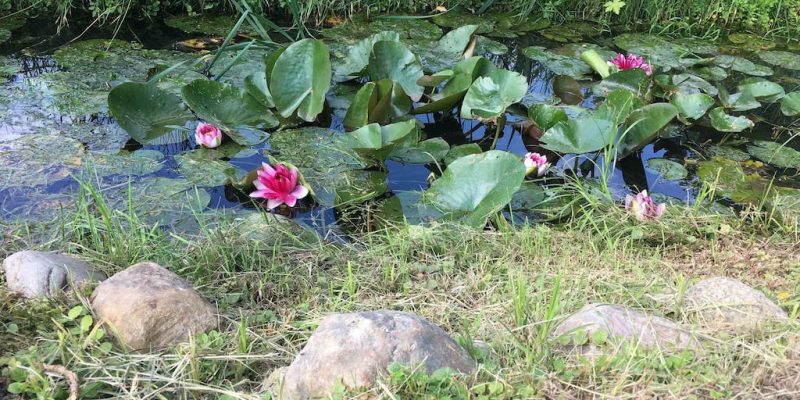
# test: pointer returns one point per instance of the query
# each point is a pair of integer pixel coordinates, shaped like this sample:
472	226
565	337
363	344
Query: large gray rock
36	274
622	325
148	306
727	305
357	348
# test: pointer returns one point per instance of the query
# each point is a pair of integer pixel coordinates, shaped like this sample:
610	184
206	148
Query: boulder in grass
728	305
357	348
36	274
618	325
148	306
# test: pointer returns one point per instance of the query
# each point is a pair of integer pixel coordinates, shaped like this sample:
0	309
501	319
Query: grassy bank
779	17
499	293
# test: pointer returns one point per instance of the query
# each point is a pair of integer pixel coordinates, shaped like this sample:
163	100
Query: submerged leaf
668	170
777	154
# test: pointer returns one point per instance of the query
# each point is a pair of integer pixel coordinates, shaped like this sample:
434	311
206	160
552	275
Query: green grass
499	293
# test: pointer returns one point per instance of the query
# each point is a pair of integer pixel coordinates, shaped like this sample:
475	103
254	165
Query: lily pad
751	42
39	160
761	89
692	106
776	154
207	24
204	172
634	80
224	104
489	96
690	83
300	79
578	136
475	187
728	123
790	105
556	63
394	61
424	152
643	125
728	152
722	174
357	59
360	27
460	151
783	59
486	46
377	141
572	32
145	111
658	50
742	65
544	116
667	169
136	163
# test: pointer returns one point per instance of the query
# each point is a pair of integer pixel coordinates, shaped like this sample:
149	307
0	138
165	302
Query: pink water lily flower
535	163
643	207
278	185
630	62
207	135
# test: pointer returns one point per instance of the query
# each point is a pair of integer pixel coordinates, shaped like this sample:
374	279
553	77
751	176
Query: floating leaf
728	123
751	42
568	90
729	152
657	50
377	141
790	105
634	80
204	172
544	116
761	88
724	175
738	101
692	106
139	162
742	65
207	24
357	59
394	61
255	85
668	170
777	154
581	135
34	160
145	111
424	152
489	96
690	83
475	187
360	27
783	59
617	106
460	151
301	78
558	64
223	104
643	125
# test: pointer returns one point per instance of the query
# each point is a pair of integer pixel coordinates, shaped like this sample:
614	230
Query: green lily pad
691	106
34	160
486	46
777	154
722	174
634	80
667	169
751	42
357	59
394	61
643	125
617	106
360	27
437	56
572	32
475	187
656	49
728	123
711	73
464	74
459	151
106	138
489	96
761	88
578	136
728	152
690	83
783	59
300	79
544	116
790	105
424	152
136	163
214	25
738	101
204	172
558	64
742	65
377	141
224	105
145	111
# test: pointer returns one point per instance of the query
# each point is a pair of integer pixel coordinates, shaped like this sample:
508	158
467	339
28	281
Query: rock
621	324
728	305
357	348
37	274
148	306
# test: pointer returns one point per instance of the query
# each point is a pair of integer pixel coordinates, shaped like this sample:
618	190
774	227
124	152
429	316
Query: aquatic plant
207	135
535	164
278	185
643	207
631	61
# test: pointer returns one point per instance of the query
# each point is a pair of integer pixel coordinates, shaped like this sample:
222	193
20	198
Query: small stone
728	305
148	306
618	324
37	274
356	348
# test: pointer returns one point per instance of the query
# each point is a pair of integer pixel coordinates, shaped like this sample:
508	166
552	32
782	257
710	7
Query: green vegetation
497	292
780	17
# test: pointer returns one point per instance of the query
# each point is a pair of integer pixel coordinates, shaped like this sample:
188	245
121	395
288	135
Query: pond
56	129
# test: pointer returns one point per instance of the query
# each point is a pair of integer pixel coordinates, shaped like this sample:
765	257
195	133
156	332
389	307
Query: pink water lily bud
535	163
643	207
632	61
207	135
279	185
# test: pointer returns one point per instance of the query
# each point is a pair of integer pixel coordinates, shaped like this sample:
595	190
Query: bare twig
68	375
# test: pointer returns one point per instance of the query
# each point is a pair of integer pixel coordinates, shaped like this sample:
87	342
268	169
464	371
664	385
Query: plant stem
501	122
